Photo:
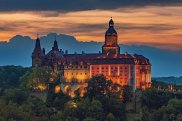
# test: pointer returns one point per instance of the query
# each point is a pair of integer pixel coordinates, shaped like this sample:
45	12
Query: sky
156	23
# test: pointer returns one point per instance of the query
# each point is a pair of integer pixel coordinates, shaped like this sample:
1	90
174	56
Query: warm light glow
41	87
81	75
57	89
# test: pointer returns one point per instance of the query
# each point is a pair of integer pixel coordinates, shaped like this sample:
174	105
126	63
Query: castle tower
55	46
37	55
111	40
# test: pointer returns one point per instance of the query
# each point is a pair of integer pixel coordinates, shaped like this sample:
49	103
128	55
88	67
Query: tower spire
37	54
55	47
111	23
37	45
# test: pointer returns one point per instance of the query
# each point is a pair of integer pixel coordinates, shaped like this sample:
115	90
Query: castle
123	69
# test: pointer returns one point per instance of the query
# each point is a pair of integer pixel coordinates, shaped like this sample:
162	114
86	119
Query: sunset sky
155	23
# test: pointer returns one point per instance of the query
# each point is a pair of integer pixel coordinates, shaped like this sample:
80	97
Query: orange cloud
147	25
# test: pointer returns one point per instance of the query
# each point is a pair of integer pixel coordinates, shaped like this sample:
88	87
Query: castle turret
55	47
37	55
111	40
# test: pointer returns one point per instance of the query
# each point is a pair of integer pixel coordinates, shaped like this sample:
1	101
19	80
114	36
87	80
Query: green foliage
102	102
57	100
127	93
15	95
89	119
179	117
171	112
95	110
154	99
57	117
114	106
145	114
156	84
110	117
10	76
98	85
18	105
35	77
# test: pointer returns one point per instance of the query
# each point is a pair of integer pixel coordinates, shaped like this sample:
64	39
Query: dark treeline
10	76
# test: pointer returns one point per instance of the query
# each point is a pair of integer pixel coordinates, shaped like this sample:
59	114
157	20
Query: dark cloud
77	5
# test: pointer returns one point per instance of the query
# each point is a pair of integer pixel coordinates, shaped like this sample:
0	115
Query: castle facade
123	69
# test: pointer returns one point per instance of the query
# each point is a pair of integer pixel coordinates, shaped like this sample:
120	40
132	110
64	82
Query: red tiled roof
104	58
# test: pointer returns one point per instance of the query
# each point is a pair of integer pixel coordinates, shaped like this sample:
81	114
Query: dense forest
170	80
103	101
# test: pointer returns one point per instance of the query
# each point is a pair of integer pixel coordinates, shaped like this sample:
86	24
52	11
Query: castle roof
106	59
55	55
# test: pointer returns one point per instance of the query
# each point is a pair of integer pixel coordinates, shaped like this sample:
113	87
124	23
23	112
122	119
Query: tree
90	119
154	99
96	86
95	111
127	93
57	117
10	76
57	100
117	108
18	96
37	79
179	117
110	117
145	114
171	112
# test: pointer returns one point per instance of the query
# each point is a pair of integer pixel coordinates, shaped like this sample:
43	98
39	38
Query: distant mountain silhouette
19	49
170	80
